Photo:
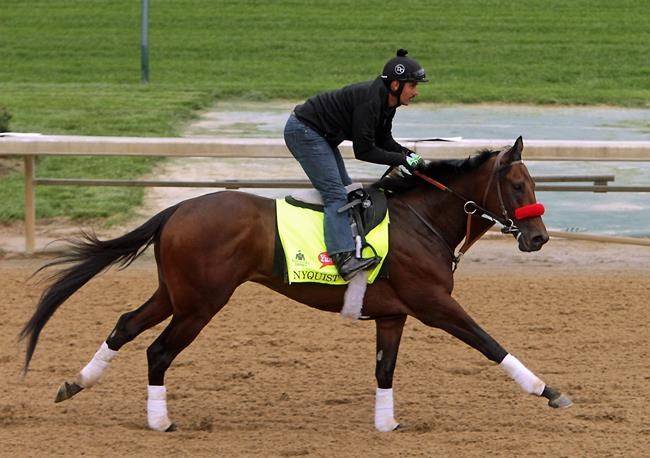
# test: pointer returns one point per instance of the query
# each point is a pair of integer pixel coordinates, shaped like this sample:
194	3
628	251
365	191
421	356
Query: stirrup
348	265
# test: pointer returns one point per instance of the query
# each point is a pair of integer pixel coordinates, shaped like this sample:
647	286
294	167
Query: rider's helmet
403	68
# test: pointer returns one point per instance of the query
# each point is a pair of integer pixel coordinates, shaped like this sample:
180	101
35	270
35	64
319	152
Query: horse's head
510	193
493	185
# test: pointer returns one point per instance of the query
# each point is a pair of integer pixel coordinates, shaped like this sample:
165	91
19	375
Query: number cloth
307	260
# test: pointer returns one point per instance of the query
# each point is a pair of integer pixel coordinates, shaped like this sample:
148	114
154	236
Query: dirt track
270	377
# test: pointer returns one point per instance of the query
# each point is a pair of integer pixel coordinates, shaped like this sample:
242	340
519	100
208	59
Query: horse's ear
514	153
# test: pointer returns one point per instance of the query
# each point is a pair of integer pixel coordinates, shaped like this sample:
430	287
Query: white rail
29	146
537	150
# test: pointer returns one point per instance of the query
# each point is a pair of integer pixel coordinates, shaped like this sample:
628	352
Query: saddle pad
302	237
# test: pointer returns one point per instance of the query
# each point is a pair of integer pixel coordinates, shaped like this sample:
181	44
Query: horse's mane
441	170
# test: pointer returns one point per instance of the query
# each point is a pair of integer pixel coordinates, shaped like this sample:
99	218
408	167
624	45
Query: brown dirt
270	377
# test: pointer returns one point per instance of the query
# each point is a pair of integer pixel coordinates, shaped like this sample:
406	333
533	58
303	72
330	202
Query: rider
362	113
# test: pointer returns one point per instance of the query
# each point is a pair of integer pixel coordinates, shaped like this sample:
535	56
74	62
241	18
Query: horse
206	246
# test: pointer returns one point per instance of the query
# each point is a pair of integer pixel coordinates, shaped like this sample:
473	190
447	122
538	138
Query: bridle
472	209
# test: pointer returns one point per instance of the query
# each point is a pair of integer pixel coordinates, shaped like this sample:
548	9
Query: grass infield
73	66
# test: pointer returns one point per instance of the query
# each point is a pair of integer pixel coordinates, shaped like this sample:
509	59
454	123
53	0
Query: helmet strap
398	92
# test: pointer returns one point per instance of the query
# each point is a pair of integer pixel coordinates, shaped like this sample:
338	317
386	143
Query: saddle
367	205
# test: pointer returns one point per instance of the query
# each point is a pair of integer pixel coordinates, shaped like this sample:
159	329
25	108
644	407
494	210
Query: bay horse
207	246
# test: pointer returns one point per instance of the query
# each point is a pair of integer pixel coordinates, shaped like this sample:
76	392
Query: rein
455	259
472	209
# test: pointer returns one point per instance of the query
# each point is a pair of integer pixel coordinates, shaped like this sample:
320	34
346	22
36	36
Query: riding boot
348	265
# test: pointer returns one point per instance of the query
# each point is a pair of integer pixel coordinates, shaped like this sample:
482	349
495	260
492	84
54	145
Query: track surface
270	377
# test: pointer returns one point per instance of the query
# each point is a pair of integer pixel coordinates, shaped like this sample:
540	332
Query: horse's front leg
389	334
445	313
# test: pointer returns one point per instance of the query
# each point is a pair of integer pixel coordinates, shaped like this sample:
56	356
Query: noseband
472	209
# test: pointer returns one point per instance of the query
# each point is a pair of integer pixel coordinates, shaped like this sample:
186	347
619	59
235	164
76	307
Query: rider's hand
413	161
406	151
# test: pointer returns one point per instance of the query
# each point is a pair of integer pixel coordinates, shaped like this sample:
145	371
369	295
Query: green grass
110	204
73	66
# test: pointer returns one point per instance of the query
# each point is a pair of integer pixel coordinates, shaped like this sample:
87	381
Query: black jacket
358	112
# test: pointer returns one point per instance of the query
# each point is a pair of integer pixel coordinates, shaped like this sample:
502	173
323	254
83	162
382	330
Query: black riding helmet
403	69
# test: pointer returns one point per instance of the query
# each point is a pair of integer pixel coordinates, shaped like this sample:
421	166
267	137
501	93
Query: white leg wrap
384	416
528	381
94	370
157	418
353	297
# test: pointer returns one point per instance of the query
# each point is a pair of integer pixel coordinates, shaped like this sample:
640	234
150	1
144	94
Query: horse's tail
89	256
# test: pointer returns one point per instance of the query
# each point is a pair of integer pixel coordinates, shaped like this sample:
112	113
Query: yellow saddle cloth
302	237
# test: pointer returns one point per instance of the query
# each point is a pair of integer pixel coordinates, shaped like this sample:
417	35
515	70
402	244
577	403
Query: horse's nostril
540	239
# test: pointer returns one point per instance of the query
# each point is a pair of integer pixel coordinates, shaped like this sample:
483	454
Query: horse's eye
517	186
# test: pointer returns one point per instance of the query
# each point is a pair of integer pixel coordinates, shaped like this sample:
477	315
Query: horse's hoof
171	428
556	399
67	390
560	402
387	426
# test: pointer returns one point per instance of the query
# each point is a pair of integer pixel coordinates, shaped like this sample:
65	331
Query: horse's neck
445	211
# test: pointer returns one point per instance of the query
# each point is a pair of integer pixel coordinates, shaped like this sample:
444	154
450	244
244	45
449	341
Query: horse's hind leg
448	315
128	327
192	311
180	332
132	324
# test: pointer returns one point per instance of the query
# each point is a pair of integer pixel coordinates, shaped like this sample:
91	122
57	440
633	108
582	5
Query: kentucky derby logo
399	69
299	259
325	259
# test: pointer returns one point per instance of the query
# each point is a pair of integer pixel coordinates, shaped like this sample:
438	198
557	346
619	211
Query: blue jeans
325	169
